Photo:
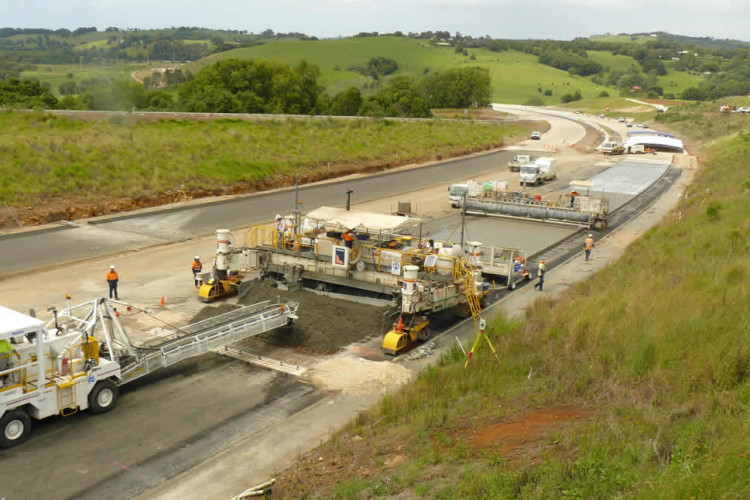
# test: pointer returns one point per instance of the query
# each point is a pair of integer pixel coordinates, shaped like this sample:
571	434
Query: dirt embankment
325	325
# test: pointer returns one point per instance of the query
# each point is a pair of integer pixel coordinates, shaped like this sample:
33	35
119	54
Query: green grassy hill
516	76
647	362
58	163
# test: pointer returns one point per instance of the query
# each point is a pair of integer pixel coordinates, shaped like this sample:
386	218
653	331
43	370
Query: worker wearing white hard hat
197	268
588	245
112	280
281	228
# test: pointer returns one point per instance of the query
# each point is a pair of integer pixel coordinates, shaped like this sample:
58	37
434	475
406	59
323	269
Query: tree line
262	86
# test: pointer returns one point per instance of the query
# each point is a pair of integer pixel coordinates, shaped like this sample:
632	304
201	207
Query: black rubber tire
103	397
511	284
9	428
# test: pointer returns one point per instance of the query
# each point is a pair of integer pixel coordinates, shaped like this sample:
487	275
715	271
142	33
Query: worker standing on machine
542	271
6	351
348	237
197	268
113	279
588	245
281	228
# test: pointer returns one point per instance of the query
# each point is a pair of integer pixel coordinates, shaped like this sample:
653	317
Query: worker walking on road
542	270
113	279
588	245
197	268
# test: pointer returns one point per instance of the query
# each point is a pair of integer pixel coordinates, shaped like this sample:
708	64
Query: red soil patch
514	436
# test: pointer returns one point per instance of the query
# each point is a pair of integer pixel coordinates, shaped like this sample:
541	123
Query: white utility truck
78	360
518	160
543	169
469	188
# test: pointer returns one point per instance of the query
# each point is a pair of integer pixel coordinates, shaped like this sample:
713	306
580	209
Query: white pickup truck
543	169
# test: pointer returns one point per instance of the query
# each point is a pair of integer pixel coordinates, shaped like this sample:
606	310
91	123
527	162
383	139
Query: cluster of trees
25	94
166	78
575	64
404	96
234	86
376	67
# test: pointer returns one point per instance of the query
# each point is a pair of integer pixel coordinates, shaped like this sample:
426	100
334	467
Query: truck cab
543	169
456	192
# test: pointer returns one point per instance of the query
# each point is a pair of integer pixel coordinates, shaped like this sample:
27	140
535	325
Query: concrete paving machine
221	281
78	360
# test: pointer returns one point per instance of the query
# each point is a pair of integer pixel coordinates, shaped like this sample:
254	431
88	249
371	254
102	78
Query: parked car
602	115
621	120
639	125
536	136
645	125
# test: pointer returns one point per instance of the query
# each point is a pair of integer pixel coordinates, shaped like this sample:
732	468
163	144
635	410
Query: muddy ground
325	325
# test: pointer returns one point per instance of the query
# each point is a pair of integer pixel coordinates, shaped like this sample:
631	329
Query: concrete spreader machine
365	253
78	360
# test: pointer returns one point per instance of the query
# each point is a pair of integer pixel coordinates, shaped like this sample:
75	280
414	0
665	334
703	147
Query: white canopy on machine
351	219
16	324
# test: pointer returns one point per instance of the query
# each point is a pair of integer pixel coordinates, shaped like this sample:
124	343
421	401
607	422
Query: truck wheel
15	427
103	397
511	284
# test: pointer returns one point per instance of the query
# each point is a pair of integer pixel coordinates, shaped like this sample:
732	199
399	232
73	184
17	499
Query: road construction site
270	397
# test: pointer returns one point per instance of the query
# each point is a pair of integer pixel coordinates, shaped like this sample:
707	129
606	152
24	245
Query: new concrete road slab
34	249
629	177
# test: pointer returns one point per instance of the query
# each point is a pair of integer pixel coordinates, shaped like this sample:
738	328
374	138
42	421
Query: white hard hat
591	235
112	266
278	216
197	257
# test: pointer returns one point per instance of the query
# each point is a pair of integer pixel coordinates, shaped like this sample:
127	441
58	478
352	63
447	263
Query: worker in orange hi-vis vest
588	245
112	280
197	268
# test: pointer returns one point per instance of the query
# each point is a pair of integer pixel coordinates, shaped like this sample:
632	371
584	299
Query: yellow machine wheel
395	342
208	292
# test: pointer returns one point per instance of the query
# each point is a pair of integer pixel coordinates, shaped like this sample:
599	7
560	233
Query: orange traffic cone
162	300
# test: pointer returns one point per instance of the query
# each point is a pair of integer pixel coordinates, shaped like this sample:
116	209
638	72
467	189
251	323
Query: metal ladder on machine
467	276
211	334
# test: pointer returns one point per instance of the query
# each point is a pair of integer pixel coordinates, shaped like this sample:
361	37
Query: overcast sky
557	19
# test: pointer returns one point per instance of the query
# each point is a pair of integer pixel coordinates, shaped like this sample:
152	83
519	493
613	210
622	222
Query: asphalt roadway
65	243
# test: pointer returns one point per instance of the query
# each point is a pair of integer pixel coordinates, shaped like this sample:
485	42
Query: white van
543	169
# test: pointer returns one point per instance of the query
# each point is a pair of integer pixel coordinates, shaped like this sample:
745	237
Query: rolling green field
651	355
675	82
53	159
622	38
615	62
515	75
55	74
